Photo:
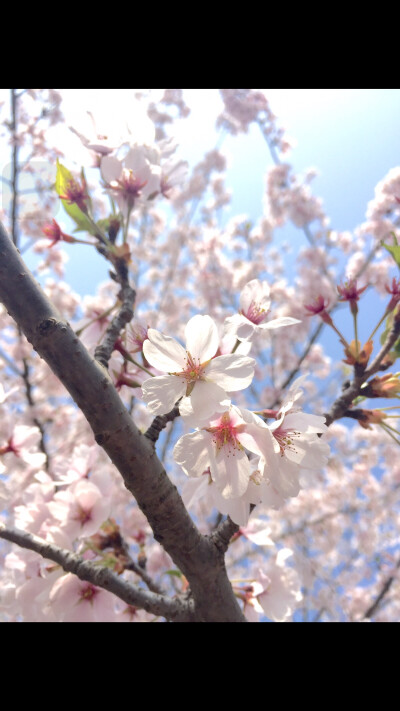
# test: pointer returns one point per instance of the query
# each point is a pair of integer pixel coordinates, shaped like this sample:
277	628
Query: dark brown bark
199	557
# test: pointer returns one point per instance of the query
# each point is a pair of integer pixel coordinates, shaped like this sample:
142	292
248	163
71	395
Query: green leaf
174	573
63	177
393	249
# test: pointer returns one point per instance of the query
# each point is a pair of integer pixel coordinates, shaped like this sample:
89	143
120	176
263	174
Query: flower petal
231	472
163	352
192	452
137	163
111	168
245	330
161	393
237	509
279	322
207	399
259	440
232	372
202	339
255	291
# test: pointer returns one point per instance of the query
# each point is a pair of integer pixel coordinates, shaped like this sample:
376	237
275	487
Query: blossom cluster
237	459
245	446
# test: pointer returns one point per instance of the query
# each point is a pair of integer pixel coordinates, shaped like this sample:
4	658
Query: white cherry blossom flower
23	443
297	444
220	446
193	373
276	592
238	509
254	304
131	179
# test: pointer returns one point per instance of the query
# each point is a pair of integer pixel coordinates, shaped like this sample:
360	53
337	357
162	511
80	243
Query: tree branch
159	423
177	610
132	453
342	404
127	296
385	589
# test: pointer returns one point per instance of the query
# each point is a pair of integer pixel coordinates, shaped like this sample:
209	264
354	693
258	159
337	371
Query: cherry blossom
23	443
254	309
81	509
131	179
297	442
271	472
276	592
221	447
238	508
194	374
74	600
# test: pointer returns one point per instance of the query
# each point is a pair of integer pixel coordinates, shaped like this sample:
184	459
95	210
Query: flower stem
131	360
387	430
97	318
377	326
355	332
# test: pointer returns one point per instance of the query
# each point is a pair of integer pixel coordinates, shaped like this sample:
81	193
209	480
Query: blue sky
350	135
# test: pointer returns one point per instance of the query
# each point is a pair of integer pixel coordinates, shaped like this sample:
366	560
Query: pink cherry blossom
194	374
298	444
81	509
23	443
131	179
220	446
254	309
276	592
75	600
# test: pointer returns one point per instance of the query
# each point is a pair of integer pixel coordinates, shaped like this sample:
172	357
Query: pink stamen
88	593
255	313
225	434
285	439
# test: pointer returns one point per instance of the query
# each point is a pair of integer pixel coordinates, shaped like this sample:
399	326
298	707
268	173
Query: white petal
237	509
153	183
202	339
163	352
194	490
207	399
305	422
255	291
137	163
192	452
279	322
231	472
245	330
161	393
258	440
111	168
232	372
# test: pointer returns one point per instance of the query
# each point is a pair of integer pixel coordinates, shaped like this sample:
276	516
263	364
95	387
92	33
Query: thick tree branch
177	609
132	453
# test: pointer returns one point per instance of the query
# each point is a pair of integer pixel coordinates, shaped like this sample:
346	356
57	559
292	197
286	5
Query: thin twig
385	589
